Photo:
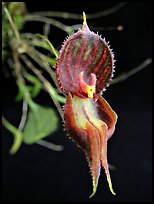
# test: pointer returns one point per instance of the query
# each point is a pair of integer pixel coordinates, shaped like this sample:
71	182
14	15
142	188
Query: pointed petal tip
110	185
93	193
94	190
95	187
95	184
111	189
85	26
84	19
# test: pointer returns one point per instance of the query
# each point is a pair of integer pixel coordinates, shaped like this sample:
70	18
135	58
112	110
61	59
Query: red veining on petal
80	52
92	56
100	62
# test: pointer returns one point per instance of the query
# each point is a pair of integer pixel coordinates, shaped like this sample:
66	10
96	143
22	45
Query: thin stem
31	39
8	125
128	74
110	28
18	137
19	77
49	43
42	60
48	86
12	23
36	55
46	30
53	22
67	15
24	115
107	11
50	146
41	17
20	80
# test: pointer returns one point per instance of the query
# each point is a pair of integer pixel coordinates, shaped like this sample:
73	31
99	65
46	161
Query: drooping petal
90	124
84	134
110	118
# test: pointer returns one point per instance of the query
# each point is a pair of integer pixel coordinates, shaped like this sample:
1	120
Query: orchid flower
84	68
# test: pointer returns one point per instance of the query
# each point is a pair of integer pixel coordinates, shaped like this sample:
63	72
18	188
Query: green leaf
41	122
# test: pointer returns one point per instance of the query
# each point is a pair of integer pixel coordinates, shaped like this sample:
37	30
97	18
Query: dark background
38	174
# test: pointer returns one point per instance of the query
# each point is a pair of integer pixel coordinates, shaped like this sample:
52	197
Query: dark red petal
109	117
106	114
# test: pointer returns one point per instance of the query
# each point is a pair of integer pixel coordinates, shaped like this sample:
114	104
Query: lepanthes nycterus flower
84	68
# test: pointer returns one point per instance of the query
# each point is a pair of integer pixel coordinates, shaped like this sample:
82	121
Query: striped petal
84	52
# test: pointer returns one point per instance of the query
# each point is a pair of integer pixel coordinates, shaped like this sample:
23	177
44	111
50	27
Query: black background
38	174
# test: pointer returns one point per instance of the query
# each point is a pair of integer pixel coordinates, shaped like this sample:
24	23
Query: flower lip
88	89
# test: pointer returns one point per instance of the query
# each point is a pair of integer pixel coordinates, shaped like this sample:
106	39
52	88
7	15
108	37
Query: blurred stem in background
28	65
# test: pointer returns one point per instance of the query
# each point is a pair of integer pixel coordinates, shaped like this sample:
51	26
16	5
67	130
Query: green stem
16	133
8	126
48	86
42	60
49	43
45	82
53	93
